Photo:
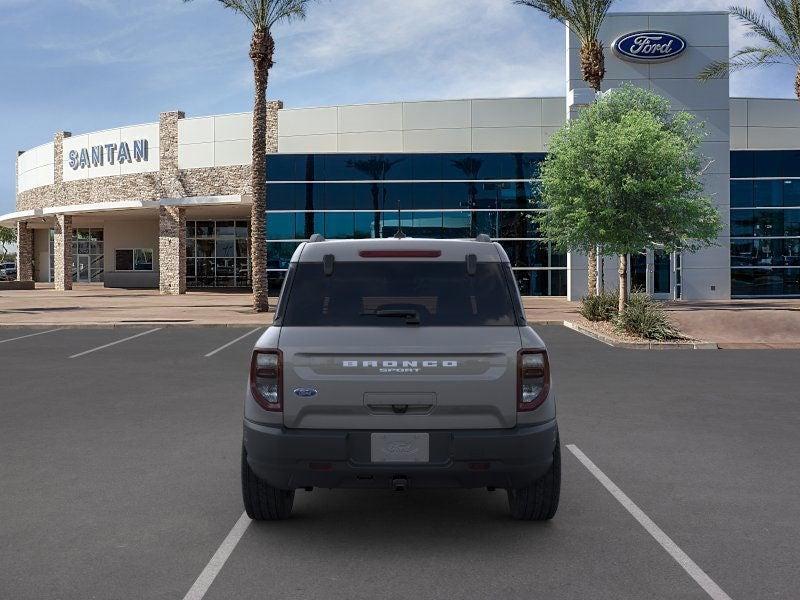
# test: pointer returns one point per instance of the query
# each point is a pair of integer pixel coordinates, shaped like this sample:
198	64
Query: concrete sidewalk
90	305
733	324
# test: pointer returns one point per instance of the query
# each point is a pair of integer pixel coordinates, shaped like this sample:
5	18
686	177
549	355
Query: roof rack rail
316	237
482	237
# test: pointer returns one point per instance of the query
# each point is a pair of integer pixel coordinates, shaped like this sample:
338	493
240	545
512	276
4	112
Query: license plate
400	447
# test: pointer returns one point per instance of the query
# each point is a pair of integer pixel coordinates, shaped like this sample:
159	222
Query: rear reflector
400	253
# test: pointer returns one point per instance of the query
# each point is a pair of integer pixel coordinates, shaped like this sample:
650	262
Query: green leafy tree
778	40
626	174
8	236
584	19
263	15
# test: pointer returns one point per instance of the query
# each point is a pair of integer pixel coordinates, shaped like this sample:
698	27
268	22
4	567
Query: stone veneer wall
62	251
24	252
172	250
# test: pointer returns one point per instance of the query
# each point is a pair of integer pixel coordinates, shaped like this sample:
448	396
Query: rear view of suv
400	363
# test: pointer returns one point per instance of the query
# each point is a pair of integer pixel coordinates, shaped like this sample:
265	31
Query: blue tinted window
457	224
339	226
453	195
464	166
365	225
280	226
790	166
282	196
768	193
791	222
279	254
339	196
367	196
281	167
307	224
791	192
768	163
741	194
426	166
742	164
765	282
310	167
428	195
394	195
742	223
427	224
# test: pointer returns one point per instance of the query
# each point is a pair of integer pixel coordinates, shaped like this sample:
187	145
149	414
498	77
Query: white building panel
738	108
196	131
437	140
554	111
773	113
739	138
195	156
234	152
444	114
237	126
302	144
371	141
370	117
507	139
308	121
767	138
507	112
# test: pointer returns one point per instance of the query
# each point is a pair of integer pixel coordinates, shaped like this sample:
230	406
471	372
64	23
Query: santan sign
97	156
649	46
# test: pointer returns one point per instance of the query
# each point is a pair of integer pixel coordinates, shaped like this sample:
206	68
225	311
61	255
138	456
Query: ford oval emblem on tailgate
305	392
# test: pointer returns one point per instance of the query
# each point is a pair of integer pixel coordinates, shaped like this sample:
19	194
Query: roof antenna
399	235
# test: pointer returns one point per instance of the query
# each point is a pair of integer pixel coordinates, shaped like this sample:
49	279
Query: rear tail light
265	379
533	379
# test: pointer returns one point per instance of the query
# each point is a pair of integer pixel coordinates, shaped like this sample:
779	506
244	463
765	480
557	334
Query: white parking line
115	343
214	566
22	337
232	342
695	572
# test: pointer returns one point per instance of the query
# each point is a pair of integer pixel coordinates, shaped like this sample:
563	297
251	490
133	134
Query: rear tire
262	502
538	501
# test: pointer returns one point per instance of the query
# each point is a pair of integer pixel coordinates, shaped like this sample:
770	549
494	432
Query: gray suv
400	363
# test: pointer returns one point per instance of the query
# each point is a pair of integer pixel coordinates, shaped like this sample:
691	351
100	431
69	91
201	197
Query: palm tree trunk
593	70
592	272
797	84
261	51
623	282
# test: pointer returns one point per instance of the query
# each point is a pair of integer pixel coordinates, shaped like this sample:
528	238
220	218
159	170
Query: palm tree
778	35
584	19
376	168
263	15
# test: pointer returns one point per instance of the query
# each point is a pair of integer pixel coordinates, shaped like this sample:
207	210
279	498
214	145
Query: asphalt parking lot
119	478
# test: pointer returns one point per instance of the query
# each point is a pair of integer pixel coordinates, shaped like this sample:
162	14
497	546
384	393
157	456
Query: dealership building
167	204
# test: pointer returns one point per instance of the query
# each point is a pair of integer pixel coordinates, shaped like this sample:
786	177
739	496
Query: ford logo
649	46
305	392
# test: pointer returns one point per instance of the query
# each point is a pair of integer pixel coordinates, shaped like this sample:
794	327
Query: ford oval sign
649	46
305	392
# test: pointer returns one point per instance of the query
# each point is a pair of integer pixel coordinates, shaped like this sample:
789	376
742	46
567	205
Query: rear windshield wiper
411	316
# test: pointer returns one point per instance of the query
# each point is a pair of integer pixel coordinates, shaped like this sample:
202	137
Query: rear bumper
297	458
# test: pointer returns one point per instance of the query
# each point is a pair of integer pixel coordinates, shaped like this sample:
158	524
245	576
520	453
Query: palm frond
759	26
746	58
583	17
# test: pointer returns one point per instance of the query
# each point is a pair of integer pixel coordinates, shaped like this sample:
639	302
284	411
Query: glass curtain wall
353	196
765	223
217	254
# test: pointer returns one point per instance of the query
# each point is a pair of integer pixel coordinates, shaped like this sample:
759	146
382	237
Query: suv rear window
398	293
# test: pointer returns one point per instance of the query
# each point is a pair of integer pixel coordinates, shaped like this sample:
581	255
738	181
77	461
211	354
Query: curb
640	345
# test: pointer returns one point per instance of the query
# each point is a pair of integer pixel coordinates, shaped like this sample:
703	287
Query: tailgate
400	378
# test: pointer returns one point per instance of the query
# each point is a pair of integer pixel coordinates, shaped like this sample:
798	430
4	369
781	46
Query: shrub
601	307
644	317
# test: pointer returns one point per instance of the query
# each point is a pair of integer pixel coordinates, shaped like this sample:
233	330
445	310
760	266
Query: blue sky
84	65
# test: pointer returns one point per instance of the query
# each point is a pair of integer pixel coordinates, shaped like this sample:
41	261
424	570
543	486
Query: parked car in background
8	271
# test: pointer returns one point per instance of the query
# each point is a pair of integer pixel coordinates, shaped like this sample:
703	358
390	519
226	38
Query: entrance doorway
87	253
652	272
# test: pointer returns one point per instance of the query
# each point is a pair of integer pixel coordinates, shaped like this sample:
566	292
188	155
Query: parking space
120	480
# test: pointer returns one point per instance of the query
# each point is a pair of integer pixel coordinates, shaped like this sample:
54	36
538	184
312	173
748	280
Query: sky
86	65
